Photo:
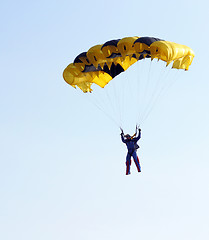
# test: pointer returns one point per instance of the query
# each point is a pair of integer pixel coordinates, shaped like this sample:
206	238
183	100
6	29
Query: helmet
127	136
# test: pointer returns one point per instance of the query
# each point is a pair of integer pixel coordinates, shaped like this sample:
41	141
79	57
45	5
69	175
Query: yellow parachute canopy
101	63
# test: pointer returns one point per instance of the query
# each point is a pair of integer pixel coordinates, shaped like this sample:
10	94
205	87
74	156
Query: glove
121	131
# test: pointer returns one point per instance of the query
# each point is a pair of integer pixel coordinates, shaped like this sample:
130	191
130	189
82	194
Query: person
131	143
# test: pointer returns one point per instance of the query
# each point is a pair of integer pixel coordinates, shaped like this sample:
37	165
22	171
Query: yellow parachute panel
181	55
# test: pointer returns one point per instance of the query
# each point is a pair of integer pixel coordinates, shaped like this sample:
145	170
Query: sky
62	163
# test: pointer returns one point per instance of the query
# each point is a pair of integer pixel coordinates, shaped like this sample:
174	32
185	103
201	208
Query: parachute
102	63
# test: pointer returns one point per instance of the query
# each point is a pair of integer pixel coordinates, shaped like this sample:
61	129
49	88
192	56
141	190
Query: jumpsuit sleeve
139	136
122	138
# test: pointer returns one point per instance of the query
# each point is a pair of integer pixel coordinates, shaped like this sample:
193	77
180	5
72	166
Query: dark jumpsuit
130	143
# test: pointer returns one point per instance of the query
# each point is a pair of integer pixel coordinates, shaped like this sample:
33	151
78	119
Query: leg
128	164
136	160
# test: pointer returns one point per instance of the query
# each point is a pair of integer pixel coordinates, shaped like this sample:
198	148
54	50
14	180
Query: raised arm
122	135
139	135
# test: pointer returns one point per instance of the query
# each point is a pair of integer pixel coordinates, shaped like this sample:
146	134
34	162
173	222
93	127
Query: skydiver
131	143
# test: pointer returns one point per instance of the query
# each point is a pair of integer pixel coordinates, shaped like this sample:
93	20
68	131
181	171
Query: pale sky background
62	163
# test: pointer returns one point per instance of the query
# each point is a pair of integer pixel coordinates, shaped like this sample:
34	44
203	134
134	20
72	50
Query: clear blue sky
62	170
